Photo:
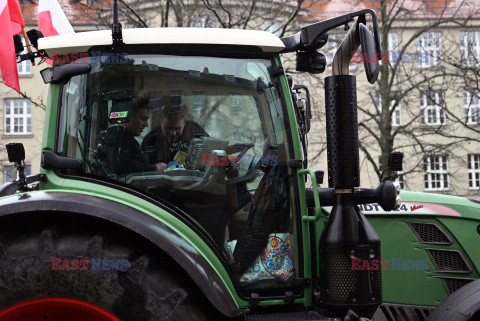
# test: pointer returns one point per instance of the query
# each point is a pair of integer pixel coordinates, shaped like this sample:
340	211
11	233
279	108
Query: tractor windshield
206	134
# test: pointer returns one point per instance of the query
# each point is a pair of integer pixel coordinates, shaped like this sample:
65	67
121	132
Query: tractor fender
462	305
157	232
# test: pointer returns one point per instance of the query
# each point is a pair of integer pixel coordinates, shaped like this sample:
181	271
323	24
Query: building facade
22	116
432	105
432	102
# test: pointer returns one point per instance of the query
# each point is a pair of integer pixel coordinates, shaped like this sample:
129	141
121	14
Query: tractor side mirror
62	74
367	41
34	35
313	62
312	37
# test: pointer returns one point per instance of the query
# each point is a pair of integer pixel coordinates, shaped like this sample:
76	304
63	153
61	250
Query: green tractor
173	187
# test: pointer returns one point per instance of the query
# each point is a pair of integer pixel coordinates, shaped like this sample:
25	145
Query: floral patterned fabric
274	263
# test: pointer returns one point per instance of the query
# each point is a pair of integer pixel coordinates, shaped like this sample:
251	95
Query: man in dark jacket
169	141
125	154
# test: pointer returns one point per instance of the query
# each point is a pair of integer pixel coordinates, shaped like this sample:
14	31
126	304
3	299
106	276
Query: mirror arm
343	56
310	37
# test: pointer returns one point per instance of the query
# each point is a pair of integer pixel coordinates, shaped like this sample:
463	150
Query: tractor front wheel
461	305
63	267
56	309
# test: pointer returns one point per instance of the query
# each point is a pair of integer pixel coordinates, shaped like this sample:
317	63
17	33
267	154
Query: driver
125	155
169	141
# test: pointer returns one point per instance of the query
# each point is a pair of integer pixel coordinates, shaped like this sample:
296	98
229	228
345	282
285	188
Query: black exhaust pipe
348	236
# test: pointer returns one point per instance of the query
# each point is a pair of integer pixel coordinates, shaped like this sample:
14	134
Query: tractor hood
82	41
429	204
415	203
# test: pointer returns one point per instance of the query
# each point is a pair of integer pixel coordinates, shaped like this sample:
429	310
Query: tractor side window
204	134
72	136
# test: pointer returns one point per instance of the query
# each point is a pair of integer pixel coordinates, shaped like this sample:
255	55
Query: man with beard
169	141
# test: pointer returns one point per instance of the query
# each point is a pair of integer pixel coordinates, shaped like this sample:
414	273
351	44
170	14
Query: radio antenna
117	27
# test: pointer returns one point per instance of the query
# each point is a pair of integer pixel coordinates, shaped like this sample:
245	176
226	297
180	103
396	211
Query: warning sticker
120	114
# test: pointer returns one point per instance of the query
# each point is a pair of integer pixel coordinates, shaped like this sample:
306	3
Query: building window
198	101
236	103
472	107
155	103
429	49
176	101
24	67
272	26
436	173
9	172
199	21
474	171
393	52
432	108
333	43
18	116
470	48
392	41
396	114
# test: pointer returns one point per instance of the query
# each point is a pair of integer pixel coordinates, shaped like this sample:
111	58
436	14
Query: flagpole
28	44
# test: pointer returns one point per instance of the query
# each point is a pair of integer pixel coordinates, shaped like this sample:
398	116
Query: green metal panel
297	147
458	217
298	154
465	233
402	284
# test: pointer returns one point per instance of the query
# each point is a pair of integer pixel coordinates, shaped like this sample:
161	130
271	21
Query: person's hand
161	166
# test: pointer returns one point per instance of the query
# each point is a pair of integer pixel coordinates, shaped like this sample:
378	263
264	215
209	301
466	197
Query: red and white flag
16	16
52	20
8	61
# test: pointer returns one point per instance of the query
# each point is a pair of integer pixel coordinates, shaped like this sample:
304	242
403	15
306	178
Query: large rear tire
41	255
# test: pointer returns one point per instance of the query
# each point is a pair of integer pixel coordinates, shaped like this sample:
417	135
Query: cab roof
82	41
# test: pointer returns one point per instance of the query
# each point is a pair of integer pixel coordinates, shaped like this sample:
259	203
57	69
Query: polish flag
52	20
16	17
8	61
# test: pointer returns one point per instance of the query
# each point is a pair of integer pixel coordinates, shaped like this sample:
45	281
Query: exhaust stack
348	235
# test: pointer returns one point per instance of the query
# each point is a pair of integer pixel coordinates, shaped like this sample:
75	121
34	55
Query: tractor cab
201	130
